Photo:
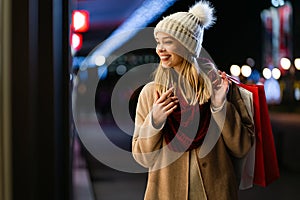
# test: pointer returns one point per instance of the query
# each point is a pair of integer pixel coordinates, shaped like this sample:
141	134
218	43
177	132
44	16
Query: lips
164	57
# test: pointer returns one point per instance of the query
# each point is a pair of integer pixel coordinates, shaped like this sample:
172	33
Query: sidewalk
110	184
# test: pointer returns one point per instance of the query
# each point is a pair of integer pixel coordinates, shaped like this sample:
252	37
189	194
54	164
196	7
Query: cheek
156	50
177	58
172	49
180	52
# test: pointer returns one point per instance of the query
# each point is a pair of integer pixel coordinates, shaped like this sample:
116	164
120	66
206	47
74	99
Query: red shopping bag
266	165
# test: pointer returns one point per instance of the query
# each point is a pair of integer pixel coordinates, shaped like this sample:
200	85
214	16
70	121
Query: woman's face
169	50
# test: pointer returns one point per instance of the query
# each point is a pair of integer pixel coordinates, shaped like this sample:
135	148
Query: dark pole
40	100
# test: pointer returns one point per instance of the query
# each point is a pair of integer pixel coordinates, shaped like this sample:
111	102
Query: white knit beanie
188	27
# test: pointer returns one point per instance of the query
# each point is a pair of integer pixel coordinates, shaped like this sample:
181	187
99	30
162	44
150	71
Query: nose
160	48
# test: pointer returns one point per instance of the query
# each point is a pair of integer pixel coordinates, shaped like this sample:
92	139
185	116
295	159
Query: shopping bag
266	164
244	167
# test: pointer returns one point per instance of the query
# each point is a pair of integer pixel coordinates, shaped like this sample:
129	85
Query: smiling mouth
164	58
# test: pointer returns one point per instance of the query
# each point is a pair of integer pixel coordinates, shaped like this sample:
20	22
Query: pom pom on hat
204	12
188	27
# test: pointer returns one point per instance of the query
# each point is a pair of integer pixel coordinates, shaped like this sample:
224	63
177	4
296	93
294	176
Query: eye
168	42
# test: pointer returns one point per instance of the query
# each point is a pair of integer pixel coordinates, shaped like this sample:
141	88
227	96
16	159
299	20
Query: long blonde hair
193	84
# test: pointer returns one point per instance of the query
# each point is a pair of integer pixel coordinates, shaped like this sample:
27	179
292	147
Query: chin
166	66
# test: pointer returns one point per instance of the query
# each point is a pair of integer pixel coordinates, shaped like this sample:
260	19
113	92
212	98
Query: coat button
204	164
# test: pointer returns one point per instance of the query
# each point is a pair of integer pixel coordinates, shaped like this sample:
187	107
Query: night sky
237	33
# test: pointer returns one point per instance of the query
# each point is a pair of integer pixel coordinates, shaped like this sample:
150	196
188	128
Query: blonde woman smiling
177	112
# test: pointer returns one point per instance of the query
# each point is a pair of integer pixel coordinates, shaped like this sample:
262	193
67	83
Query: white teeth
164	57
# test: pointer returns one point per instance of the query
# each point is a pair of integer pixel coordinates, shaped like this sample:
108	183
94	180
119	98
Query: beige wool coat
171	174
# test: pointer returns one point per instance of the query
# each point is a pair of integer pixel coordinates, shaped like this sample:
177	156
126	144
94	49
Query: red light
76	41
80	20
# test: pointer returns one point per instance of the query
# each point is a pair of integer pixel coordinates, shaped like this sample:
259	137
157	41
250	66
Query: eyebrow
167	37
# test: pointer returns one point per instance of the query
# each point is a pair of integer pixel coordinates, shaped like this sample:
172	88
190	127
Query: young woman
183	113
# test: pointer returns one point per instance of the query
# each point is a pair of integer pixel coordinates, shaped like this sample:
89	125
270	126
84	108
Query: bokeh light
246	70
267	73
285	63
276	73
235	70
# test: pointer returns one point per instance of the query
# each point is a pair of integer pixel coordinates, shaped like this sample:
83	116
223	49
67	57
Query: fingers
222	75
214	77
169	108
165	95
220	81
165	104
224	78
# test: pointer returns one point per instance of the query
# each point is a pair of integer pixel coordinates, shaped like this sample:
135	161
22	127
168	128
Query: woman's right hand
163	106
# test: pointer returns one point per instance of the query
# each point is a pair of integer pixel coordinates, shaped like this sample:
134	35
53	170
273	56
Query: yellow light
235	70
285	63
276	73
246	70
267	73
297	63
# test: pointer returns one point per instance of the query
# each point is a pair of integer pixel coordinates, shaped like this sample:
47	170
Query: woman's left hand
220	85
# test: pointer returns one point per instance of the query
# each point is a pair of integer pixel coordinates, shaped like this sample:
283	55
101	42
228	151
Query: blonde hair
193	84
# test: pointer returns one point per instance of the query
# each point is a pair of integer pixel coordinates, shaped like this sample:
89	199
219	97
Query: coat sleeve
147	140
237	127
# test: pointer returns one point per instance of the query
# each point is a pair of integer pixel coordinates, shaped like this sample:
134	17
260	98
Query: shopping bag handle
233	79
